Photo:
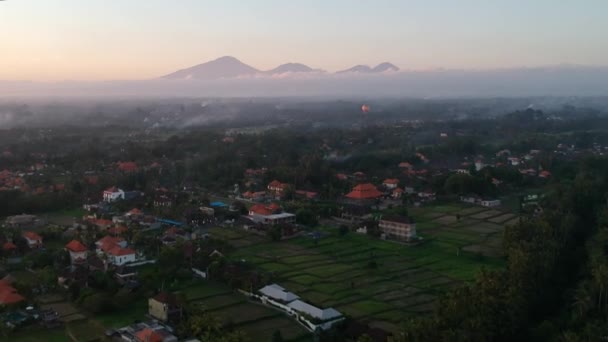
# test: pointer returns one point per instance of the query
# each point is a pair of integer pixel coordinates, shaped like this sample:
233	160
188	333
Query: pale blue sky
126	39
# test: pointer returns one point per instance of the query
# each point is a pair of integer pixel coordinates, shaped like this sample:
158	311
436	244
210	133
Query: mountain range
230	67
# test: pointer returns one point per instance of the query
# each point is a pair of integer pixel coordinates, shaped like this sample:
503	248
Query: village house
127	167
313	317
254	196
78	252
33	240
113	194
277	189
271	214
164	307
150	331
119	256
309	195
398	227
405	165
397	193
277	292
363	193
390	183
490	203
8	294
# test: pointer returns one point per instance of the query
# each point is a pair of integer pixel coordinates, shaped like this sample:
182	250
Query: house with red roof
271	214
364	192
78	252
148	335
405	165
113	194
34	240
9	247
390	183
118	230
544	174
277	188
310	195
164	307
8	294
108	242
397	193
119	256
127	166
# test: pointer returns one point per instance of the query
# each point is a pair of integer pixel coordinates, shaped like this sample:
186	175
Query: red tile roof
32	236
8	246
119	251
391	181
111	190
76	246
364	191
135	211
118	230
127	166
341	176
109	242
261	209
148	335
92	179
397	190
10	296
405	165
166	298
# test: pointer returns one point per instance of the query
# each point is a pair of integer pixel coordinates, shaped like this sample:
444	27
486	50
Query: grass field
335	271
257	321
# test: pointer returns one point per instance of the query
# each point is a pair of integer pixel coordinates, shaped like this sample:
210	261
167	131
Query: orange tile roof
148	335
119	251
364	191
127	166
32	236
9	246
76	246
10	296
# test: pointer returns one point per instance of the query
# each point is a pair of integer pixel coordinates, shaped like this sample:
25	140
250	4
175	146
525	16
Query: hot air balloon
365	108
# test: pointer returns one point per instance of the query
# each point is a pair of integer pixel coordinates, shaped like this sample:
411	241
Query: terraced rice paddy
335	271
253	319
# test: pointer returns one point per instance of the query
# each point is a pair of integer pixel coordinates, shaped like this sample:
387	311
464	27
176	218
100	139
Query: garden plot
246	312
502	218
486	214
447	219
485	228
471	211
263	330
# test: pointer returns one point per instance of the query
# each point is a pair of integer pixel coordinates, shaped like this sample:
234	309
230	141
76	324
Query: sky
50	40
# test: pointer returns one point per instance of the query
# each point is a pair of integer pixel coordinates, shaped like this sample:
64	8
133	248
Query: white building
313	311
277	292
490	203
119	256
113	194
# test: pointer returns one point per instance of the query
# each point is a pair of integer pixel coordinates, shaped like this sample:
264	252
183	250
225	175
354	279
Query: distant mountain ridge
292	67
382	67
231	67
223	67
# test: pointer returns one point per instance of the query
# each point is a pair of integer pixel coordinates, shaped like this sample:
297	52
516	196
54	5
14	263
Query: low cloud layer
556	81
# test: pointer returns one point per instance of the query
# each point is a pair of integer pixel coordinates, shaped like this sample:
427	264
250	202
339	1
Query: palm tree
583	300
599	275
